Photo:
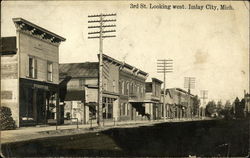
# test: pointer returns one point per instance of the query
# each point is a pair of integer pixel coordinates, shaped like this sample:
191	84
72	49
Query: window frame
50	72
32	67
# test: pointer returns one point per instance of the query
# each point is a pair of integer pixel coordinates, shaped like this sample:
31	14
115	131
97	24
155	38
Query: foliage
196	104
228	105
239	108
210	108
6	120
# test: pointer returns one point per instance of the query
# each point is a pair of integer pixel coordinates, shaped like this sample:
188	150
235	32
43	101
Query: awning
75	95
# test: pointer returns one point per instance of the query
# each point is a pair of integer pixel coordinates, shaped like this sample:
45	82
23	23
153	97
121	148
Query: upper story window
114	86
122	87
32	67
132	88
127	88
105	84
49	71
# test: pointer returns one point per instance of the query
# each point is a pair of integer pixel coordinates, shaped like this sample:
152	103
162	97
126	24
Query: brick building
29	73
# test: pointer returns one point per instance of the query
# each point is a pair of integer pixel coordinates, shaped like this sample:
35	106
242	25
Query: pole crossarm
98	21
164	59
99	15
102	36
98	32
99	26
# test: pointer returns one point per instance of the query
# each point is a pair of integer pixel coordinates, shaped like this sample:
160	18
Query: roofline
38	27
123	64
140	71
157	80
181	90
110	58
78	63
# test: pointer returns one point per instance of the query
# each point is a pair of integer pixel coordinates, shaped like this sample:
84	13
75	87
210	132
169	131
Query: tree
228	105
6	120
196	104
210	108
227	111
219	105
239	108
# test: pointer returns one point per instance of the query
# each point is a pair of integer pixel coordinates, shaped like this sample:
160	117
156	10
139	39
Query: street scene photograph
125	79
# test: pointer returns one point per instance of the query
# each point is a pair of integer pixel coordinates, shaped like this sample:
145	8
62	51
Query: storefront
38	103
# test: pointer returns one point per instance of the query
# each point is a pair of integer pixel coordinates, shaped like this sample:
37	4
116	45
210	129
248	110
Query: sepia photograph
125	78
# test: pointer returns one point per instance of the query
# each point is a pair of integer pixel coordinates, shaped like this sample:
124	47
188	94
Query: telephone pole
100	33
189	83
204	96
164	66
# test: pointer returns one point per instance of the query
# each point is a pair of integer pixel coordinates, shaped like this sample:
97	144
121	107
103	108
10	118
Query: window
32	67
123	109
105	84
49	71
122	87
127	89
114	86
132	88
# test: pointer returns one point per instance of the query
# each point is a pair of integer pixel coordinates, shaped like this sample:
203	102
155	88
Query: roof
75	95
8	45
157	80
78	70
26	25
180	90
123	64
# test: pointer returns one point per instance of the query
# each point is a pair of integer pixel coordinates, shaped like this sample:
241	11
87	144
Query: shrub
6	120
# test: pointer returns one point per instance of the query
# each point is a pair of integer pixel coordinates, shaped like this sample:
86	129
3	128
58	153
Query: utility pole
204	96
100	33
189	83
164	66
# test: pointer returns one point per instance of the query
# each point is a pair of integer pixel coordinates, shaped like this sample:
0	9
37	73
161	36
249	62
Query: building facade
30	74
179	103
132	85
153	102
123	87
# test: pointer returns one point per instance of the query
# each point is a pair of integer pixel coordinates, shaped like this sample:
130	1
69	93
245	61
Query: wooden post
45	106
34	105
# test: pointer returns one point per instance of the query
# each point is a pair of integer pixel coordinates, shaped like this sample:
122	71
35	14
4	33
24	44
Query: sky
212	46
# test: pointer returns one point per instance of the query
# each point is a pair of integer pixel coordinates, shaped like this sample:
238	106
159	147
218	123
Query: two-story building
123	86
132	92
81	99
179	103
153	99
29	73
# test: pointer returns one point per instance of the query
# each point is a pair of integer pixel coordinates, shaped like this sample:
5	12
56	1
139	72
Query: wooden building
123	85
179	103
29	73
153	99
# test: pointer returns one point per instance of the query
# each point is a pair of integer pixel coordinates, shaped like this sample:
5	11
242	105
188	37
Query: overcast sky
211	46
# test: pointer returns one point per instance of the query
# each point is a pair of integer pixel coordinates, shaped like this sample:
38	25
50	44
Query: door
41	106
